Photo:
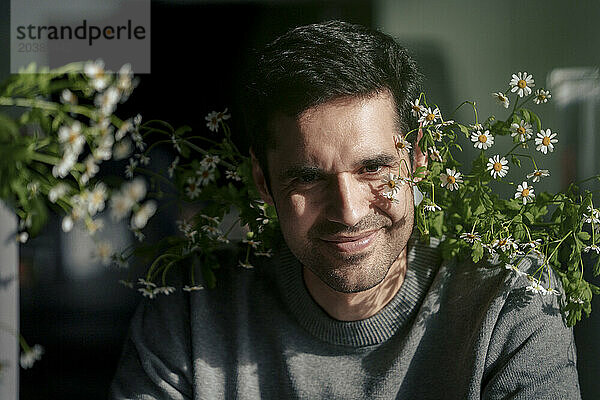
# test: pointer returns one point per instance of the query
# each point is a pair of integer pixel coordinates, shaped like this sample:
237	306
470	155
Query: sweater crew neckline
423	263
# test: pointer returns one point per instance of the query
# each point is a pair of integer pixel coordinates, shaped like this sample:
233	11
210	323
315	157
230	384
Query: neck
360	305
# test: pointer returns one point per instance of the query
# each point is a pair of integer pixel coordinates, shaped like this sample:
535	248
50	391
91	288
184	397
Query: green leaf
515	160
583	236
477	252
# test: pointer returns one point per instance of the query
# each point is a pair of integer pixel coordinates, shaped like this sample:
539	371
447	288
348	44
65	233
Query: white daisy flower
22	237
502	99
95	71
58	191
214	118
171	169
128	284
66	164
523	130
29	357
268	253
437	135
192	288
429	117
193	188
251	242
122	149
107	100
538	174
451	179
245	265
401	143
141	217
434	154
97	198
120	206
525	193
432	207
522	84
209	161
593	247
482	140
103	252
551	291
416	108
536	288
175	142
68	97
71	138
497	166
513	268
392	186
126	82
545	141
205	176
136	189
594	216
67	223
471	237
541	96
166	290
144	282
233	175
576	300
148	292
505	244
130	168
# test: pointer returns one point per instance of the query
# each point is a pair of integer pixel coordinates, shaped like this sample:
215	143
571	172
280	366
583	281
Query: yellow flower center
541	97
537	173
392	184
546	141
522	84
416	108
482	138
451	179
400	145
497	167
502	242
525	192
72	137
430	117
521	130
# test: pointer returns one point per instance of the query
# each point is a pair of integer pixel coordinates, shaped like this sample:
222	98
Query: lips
352	244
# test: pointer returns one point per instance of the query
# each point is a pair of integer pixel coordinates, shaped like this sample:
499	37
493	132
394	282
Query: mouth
352	244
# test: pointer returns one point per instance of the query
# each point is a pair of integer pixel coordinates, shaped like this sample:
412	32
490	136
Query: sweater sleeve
156	358
532	352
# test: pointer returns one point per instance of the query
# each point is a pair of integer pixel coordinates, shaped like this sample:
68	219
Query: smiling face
327	172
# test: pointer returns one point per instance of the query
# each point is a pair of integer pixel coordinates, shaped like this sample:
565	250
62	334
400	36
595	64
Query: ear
419	158
260	181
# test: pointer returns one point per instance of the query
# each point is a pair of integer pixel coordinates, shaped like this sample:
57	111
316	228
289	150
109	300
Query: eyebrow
296	171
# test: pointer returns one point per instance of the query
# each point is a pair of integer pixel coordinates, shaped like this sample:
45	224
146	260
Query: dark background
197	53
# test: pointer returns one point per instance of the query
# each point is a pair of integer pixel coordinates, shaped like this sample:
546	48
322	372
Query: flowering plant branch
53	151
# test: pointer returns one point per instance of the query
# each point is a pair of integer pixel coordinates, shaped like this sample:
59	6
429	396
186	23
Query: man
351	306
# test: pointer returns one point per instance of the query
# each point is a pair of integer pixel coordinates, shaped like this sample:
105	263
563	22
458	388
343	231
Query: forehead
337	133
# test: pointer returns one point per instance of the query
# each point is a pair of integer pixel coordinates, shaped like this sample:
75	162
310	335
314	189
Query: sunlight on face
327	172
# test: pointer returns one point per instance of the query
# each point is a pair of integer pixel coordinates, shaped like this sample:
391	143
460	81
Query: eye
373	169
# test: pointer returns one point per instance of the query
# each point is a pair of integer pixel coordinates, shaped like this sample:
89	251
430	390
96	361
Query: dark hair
310	65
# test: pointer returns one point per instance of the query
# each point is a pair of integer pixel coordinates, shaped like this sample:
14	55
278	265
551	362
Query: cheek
297	214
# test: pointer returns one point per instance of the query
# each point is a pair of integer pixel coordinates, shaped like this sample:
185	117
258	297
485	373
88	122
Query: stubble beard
357	272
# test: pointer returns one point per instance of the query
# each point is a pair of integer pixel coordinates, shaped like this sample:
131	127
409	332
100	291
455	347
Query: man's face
327	172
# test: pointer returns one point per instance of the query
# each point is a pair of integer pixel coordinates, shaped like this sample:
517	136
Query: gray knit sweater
455	331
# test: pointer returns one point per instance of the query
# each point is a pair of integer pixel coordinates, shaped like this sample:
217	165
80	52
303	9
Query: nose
348	203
